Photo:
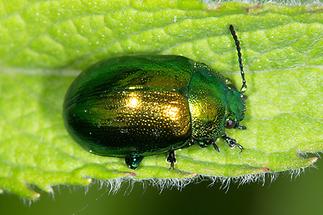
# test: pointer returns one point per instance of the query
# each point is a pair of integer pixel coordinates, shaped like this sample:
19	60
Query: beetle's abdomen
118	123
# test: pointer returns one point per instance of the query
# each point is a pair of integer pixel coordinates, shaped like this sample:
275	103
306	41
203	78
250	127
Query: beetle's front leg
230	123
232	142
241	127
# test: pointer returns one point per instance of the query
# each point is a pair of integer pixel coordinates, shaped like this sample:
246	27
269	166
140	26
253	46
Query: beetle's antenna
236	40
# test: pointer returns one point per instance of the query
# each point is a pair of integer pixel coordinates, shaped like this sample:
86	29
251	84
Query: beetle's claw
239	146
172	166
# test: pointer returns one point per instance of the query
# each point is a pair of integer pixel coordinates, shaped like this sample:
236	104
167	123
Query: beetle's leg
207	142
241	127
234	124
171	158
232	142
212	141
133	160
191	141
203	143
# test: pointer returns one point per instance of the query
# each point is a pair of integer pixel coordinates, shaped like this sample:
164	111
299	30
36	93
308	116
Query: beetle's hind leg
171	158
133	160
232	142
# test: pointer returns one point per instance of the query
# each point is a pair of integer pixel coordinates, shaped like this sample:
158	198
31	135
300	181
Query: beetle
136	106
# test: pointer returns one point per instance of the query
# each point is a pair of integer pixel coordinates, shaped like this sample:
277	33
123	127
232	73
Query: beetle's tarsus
240	147
241	127
208	142
133	160
216	147
212	142
171	158
232	142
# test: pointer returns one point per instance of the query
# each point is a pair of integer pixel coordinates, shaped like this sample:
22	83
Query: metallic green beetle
136	106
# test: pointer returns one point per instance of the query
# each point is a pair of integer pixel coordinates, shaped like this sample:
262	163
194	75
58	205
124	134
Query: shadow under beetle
136	106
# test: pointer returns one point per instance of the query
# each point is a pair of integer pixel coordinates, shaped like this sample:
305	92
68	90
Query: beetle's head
236	106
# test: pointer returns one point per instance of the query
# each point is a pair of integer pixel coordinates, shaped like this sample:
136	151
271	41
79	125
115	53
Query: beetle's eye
230	123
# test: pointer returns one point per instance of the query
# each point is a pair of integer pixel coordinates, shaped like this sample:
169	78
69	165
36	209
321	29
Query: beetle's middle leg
207	142
232	142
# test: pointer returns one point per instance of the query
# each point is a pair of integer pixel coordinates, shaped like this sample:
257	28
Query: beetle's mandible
136	106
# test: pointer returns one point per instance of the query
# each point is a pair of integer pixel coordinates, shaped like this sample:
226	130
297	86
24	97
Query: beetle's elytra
136	106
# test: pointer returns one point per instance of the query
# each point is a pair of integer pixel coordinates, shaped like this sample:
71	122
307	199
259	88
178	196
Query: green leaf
45	44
